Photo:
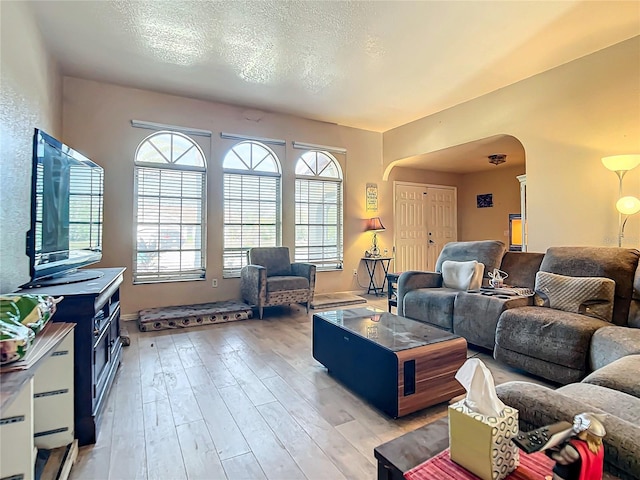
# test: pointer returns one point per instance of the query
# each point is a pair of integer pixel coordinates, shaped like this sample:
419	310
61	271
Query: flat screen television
66	214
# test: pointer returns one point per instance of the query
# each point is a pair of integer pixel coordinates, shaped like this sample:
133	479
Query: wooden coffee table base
397	364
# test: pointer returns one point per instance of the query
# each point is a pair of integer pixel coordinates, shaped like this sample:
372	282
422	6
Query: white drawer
57	371
53	413
16	436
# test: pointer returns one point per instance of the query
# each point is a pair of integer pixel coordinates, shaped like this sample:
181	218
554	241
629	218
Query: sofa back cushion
487	252
274	259
522	268
618	264
462	275
592	296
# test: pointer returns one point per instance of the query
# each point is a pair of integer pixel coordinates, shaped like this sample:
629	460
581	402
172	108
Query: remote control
544	437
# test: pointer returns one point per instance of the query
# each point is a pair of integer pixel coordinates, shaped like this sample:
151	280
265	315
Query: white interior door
424	220
410	226
442	221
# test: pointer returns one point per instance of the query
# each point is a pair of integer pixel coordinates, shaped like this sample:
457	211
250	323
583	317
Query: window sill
167	280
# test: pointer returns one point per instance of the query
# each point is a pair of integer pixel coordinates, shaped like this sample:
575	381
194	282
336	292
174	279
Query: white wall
30	97
566	119
97	120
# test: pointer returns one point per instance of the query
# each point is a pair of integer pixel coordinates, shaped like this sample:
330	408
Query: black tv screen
66	211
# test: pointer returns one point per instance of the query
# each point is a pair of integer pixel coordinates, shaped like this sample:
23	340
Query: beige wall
97	122
30	97
566	119
488	223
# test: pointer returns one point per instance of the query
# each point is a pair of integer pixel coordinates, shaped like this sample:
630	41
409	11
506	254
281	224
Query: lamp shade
618	163
374	224
628	205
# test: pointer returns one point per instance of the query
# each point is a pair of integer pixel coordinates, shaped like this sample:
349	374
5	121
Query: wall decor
484	200
372	197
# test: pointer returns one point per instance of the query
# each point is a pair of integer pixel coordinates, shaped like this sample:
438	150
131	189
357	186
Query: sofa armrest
307	270
303	270
413	280
608	344
253	284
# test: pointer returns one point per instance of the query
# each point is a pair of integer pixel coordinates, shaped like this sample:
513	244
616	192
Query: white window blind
318	211
251	203
170	182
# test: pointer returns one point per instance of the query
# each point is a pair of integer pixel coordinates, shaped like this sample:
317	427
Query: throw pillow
592	296
462	275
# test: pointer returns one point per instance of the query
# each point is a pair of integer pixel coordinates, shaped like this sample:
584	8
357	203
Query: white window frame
330	263
173	165
229	270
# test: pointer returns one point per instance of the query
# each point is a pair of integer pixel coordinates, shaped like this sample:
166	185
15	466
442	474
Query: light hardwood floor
240	400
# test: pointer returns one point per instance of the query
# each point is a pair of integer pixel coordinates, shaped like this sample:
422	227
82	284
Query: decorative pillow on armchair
592	296
462	275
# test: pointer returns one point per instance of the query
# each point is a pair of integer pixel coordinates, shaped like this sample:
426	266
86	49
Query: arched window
319	210
170	209
251	203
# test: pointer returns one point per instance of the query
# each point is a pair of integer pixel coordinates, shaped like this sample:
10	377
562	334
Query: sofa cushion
280	283
487	252
274	259
611	343
618	264
462	275
592	296
621	375
431	305
620	404
522	268
475	315
555	336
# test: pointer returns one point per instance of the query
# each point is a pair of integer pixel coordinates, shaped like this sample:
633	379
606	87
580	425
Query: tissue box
482	444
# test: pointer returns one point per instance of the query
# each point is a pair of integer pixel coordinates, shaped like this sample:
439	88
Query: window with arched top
251	203
318	214
170	209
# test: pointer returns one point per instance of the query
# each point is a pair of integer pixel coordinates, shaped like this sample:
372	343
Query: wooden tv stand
94	306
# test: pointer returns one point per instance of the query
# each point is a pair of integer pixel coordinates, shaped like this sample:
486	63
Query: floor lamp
626	206
621	164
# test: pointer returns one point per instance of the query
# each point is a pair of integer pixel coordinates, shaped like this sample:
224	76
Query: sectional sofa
597	361
524	331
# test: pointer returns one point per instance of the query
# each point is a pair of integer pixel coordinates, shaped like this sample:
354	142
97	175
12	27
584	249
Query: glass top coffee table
399	365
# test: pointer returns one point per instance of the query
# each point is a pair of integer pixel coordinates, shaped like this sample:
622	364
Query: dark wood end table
403	453
392	289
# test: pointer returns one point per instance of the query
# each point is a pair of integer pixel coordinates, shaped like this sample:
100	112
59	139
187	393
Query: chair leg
308	303
260	311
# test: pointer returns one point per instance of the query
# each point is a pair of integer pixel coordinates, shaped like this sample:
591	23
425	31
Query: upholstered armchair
271	279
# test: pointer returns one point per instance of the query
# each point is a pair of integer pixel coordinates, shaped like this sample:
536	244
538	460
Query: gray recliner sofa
472	315
556	344
422	296
613	391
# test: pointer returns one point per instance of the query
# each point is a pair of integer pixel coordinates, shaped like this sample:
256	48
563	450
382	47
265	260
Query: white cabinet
36	410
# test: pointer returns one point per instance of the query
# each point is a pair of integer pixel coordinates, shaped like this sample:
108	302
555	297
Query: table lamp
374	225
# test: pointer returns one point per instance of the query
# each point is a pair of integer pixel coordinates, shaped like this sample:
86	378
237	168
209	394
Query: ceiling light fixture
497	158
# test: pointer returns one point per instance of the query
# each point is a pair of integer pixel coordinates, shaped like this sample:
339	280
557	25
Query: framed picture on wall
372	197
484	200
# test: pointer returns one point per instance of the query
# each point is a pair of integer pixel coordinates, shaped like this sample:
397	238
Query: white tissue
477	380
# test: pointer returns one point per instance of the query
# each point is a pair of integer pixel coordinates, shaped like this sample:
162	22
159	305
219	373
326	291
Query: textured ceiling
371	65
